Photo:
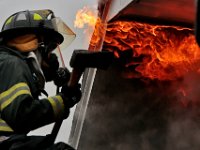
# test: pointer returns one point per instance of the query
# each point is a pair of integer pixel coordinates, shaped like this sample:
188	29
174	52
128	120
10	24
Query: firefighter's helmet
39	22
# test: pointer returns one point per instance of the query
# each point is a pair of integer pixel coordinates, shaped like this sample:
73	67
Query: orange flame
88	18
85	16
165	52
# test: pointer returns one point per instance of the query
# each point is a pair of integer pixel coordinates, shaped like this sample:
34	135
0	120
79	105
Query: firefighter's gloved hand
50	65
71	95
62	77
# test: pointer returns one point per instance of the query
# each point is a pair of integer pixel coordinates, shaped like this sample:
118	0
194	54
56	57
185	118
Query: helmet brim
45	32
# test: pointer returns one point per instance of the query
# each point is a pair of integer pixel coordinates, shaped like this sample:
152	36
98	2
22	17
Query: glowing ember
165	52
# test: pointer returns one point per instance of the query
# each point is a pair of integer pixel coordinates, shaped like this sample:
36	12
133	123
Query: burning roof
152	40
162	11
158	51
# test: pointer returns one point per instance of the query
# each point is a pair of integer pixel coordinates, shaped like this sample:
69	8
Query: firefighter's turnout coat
20	109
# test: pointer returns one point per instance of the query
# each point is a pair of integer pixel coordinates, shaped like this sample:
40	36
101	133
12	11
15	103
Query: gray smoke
135	114
184	128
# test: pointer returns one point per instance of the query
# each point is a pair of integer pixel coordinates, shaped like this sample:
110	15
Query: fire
85	16
88	17
158	51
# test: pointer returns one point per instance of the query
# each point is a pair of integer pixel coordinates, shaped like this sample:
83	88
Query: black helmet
41	22
38	22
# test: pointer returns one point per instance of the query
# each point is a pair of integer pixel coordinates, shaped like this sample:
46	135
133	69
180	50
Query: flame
88	17
85	16
158	51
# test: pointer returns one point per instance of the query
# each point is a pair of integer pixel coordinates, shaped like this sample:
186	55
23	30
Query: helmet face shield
40	22
65	31
50	43
59	26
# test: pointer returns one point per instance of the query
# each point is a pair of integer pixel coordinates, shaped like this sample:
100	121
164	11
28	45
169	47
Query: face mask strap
61	56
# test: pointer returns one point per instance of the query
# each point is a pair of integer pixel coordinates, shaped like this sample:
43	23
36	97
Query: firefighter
27	62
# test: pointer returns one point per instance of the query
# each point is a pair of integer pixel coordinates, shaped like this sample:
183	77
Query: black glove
71	95
50	65
62	77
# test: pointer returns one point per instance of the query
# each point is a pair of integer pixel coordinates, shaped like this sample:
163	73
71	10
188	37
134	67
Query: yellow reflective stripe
8	101
4	126
59	98
8	96
9	20
57	105
10	90
37	17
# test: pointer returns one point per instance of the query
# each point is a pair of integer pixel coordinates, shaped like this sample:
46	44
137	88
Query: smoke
132	114
183	133
183	130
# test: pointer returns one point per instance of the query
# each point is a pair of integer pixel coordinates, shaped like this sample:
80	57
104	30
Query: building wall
138	114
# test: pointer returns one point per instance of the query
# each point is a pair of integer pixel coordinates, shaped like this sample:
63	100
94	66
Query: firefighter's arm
18	107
